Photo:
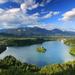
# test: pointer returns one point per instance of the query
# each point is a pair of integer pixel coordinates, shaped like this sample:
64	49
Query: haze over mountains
34	31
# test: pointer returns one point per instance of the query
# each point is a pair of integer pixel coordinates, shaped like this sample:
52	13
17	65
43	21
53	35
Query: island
41	50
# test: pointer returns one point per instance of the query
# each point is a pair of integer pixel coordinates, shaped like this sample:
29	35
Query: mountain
27	31
34	31
58	32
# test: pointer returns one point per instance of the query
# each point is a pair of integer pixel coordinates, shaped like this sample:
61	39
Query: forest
11	66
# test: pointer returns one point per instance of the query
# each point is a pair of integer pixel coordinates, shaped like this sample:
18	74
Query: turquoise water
57	52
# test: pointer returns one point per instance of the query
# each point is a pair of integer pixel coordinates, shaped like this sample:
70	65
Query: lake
57	52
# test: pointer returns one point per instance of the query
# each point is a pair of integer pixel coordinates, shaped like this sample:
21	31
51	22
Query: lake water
57	52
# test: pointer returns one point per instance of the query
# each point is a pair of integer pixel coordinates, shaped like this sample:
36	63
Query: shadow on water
2	48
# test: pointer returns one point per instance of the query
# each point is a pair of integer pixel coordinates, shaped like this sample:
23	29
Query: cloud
43	2
35	16
68	16
24	7
17	1
16	17
50	14
3	1
9	15
50	26
33	6
29	4
32	3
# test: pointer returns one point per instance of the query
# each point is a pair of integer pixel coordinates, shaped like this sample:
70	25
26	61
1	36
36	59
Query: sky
49	14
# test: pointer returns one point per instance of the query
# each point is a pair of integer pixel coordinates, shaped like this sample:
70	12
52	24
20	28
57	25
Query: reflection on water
57	52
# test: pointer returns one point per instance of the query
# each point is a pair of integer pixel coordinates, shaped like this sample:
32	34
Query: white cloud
44	2
15	17
13	10
33	6
18	1
9	15
3	1
35	16
68	16
18	16
50	14
49	26
29	4
56	12
22	1
24	7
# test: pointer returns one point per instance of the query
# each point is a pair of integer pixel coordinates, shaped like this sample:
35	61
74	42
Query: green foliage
19	42
72	51
15	71
59	69
10	66
41	50
70	42
24	42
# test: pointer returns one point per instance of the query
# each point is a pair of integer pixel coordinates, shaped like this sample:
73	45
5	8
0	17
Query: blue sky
47	14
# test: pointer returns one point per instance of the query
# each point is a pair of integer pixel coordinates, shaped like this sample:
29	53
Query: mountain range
34	31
